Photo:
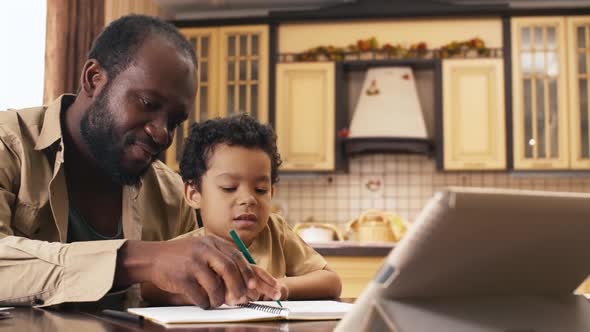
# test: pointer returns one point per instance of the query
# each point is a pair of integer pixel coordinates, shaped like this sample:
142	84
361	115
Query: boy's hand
268	286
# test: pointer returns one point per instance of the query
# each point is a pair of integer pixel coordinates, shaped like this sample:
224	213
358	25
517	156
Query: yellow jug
377	226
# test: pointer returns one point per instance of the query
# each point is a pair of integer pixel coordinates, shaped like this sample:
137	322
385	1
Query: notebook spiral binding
263	307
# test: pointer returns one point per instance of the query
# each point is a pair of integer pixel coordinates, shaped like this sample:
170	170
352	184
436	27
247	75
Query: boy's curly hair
240	130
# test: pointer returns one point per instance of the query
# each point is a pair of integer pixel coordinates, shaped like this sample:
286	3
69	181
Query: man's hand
207	271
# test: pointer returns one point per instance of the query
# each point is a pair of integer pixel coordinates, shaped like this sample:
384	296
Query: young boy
229	167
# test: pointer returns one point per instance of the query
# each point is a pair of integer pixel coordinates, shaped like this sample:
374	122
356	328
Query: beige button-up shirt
37	267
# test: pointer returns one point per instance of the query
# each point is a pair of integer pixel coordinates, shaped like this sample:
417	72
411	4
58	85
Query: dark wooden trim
341	120
416	63
360	145
438	115
273	49
531	173
328	16
382	9
507	45
583	10
218	22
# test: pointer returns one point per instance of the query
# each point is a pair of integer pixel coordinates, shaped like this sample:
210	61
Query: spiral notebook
254	311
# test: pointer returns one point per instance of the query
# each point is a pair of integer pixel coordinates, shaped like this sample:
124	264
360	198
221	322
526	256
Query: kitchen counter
353	248
356	263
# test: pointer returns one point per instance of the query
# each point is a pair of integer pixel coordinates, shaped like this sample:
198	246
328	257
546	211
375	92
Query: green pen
245	251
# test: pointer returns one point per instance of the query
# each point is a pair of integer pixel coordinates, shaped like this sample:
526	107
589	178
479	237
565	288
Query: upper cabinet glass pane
242	70
254	45
230	99
525	38
552	64
254	70
539	38
242	103
526	62
203	103
254	100
581	37
204	69
231	46
243	45
204	47
539	60
231	71
582	62
551	38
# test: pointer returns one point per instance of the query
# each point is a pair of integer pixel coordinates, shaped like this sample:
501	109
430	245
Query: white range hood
388	106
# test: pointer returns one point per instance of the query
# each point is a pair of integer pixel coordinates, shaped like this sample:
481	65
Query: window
22	59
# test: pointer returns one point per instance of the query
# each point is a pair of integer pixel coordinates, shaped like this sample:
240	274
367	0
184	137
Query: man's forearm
43	273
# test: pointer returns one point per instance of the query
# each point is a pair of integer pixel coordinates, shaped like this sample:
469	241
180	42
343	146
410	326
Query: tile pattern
400	183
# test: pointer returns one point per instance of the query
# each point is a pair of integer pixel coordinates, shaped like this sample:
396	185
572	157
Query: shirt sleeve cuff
89	271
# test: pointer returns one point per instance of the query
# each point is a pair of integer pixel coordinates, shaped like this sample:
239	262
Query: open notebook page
312	310
299	310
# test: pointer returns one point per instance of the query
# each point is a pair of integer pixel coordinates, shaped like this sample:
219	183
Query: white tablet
473	248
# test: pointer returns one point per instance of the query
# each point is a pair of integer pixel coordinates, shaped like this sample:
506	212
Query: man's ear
93	79
272	191
192	195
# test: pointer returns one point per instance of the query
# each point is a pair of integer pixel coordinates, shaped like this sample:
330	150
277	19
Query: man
84	169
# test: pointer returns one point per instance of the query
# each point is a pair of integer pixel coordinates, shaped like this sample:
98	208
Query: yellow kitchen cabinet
578	37
474	132
233	76
355	272
305	115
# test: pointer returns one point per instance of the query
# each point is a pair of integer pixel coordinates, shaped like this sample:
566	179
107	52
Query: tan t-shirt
280	251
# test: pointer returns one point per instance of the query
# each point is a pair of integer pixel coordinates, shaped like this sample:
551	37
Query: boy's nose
247	199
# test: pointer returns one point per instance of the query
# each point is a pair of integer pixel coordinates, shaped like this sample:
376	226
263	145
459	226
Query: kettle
317	232
377	226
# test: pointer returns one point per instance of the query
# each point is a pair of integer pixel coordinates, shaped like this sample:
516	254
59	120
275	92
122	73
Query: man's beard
98	132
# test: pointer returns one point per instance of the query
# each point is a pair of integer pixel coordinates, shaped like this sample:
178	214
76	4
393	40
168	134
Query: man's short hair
116	45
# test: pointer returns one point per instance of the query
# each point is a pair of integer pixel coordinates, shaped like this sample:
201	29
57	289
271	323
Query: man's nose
158	132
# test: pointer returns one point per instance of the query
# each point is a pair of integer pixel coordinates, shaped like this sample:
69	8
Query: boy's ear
192	195
272	191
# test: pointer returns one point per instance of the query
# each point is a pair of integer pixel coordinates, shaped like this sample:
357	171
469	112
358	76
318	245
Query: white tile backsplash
408	181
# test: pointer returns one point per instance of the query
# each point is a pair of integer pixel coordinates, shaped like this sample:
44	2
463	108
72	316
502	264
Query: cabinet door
540	115
243	72
305	115
473	114
578	37
356	272
205	44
